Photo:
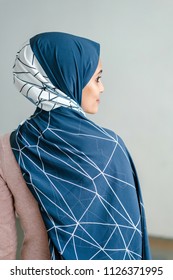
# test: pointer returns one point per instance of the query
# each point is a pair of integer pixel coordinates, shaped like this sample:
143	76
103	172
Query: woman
81	174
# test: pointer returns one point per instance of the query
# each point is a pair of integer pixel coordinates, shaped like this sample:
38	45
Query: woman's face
91	92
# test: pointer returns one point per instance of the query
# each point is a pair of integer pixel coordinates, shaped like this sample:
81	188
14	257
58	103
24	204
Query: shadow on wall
161	249
20	238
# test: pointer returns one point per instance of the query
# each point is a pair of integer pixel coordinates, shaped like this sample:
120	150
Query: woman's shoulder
116	136
4	144
6	155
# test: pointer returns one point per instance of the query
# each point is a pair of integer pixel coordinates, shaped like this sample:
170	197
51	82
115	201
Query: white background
136	38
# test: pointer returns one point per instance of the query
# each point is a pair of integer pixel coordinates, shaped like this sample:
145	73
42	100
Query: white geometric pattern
31	80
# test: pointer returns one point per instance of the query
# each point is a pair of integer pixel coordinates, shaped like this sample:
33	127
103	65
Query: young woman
81	174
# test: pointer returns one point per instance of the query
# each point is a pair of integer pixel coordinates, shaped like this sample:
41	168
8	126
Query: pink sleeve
8	241
17	198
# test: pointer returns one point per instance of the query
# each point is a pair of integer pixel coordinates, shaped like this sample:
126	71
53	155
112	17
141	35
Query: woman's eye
98	79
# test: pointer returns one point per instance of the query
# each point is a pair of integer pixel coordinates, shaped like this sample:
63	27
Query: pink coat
16	199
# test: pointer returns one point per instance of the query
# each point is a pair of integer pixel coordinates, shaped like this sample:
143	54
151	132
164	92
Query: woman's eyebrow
101	71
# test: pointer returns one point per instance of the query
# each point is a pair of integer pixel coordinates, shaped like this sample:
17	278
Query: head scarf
62	75
80	173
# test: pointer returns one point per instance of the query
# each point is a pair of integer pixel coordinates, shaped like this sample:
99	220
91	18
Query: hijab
81	174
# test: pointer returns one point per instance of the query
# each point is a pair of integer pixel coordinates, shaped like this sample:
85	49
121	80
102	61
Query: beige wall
137	55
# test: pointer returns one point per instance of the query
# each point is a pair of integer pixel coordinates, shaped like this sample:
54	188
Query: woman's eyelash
98	78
